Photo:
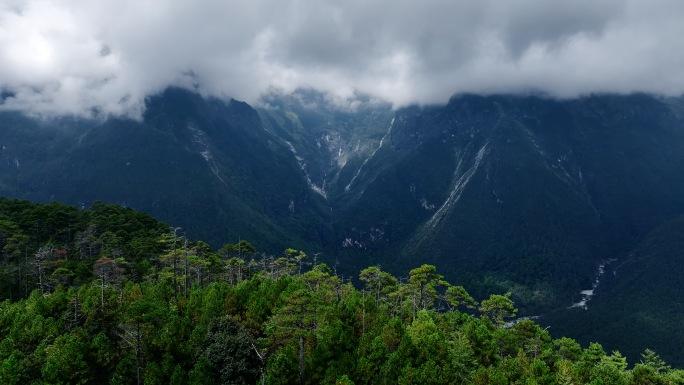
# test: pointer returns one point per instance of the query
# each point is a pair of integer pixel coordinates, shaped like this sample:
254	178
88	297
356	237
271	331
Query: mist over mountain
502	193
105	58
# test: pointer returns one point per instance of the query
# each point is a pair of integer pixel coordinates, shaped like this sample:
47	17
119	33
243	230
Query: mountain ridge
517	193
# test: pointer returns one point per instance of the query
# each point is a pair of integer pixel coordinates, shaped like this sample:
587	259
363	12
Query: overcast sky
79	56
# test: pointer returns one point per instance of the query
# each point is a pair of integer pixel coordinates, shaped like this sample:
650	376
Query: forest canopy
110	295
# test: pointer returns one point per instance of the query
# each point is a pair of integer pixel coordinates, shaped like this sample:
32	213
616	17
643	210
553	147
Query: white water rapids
589	293
586	295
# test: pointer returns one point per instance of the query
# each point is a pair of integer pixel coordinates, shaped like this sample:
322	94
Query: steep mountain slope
639	304
205	165
331	143
522	194
502	193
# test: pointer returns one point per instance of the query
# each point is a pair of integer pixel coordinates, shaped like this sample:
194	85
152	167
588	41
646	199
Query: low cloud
99	58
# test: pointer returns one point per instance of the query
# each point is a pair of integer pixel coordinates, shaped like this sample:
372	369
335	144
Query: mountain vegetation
524	195
639	303
110	295
528	192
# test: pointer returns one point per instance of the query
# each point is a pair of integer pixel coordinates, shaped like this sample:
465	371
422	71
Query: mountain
546	187
205	165
638	305
525	194
329	141
502	193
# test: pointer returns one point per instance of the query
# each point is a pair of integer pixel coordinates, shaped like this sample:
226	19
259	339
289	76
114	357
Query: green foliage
651	359
547	201
65	360
568	349
639	306
217	318
457	296
159	336
229	353
498	307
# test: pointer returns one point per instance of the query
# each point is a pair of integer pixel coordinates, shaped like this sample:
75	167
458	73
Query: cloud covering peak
104	57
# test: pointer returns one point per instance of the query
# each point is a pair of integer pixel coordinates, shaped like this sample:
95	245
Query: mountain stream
586	295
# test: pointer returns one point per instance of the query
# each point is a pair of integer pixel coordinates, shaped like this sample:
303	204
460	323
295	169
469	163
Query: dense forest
110	295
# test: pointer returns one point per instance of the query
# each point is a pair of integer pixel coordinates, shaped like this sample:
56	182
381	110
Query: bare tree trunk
377	292
138	356
262	358
175	282
185	277
73	318
26	275
175	260
301	359
41	259
40	279
363	313
102	289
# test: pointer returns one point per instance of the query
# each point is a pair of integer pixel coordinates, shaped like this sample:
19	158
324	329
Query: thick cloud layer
104	57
